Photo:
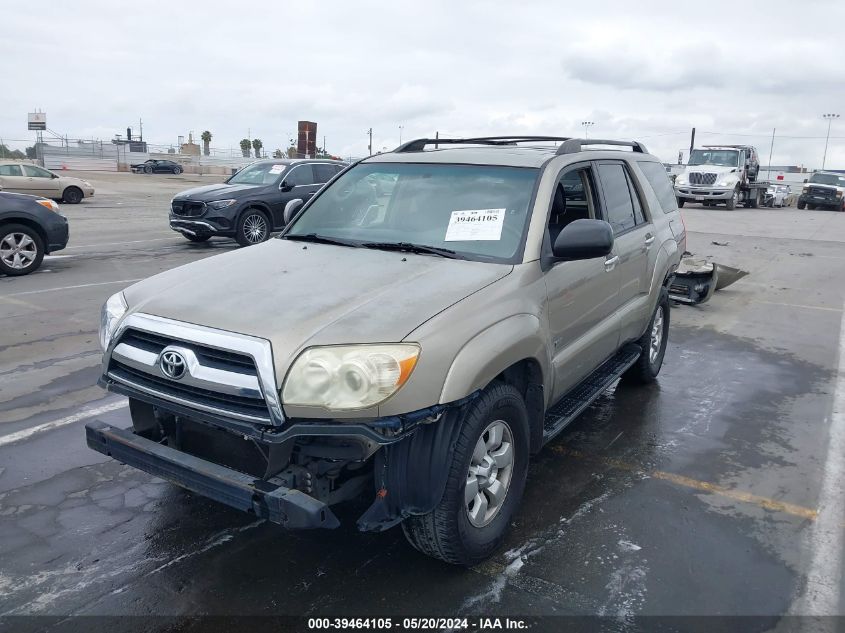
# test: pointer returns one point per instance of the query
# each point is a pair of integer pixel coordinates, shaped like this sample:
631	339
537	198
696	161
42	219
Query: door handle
610	264
649	239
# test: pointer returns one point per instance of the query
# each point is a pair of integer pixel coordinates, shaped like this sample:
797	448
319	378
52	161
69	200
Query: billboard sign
37	121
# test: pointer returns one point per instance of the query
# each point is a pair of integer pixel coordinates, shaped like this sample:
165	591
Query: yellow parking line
703	486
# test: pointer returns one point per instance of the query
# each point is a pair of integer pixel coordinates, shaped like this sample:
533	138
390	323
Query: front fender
492	351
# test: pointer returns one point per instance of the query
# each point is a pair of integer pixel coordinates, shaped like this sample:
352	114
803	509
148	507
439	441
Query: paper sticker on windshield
277	169
475	225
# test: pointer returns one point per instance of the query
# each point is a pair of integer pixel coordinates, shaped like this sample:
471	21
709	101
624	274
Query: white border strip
55	424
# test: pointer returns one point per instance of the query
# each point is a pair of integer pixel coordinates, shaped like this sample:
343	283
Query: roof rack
418	145
574	145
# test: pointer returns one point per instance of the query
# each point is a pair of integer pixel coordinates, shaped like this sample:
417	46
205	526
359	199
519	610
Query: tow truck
722	174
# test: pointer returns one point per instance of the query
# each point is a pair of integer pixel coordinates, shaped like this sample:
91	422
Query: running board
584	393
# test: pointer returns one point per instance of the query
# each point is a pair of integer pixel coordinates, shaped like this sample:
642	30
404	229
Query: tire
448	532
21	250
731	202
801	205
653	342
249	225
177	171
197	238
72	195
681	202
148	170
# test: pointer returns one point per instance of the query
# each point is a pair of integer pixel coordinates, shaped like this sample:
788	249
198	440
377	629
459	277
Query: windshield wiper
408	247
322	239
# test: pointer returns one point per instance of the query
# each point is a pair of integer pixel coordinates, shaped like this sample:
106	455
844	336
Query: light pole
587	125
400	134
829	118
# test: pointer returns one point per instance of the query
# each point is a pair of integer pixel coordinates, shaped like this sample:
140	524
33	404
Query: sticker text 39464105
475	225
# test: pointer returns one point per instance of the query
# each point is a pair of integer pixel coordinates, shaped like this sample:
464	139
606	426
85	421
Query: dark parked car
30	227
251	204
153	166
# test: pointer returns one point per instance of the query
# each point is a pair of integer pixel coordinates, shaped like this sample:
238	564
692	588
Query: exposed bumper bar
287	507
192	227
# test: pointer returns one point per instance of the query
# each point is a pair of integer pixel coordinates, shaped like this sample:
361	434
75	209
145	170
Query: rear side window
657	177
10	170
300	175
323	173
617	198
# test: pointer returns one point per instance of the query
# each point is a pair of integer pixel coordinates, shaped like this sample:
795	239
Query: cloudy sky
646	70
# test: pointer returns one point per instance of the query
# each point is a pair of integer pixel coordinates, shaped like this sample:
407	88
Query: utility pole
771	148
141	129
691	142
436	136
370	146
829	118
587	125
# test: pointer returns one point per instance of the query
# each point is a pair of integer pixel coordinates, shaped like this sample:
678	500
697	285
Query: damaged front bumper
276	503
695	281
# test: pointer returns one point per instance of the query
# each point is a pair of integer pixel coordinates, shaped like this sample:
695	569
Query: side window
656	176
639	216
300	175
10	170
323	173
619	208
573	200
36	172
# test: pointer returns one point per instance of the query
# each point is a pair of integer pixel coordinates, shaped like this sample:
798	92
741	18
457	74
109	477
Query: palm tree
245	145
257	145
206	139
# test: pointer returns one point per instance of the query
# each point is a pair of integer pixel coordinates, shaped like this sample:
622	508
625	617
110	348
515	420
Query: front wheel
681	202
177	171
72	195
485	482
253	228
801	205
732	201
21	250
653	343
148	170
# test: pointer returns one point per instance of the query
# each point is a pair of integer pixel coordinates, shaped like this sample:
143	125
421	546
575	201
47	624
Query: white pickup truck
721	174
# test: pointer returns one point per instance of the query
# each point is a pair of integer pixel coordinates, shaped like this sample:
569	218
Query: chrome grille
187	208
217	380
822	191
702	179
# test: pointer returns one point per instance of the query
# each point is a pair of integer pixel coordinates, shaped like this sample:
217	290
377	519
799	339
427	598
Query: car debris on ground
697	279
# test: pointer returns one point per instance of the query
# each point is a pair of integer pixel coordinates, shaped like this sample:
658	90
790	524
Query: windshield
722	157
258	174
828	179
479	211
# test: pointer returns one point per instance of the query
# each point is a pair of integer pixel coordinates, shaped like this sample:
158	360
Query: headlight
681	181
113	311
805	189
347	377
725	183
49	204
838	194
221	204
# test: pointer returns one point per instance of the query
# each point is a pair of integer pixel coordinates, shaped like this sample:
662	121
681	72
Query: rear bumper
278	504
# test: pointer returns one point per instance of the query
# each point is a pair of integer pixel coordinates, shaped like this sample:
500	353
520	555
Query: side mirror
291	209
285	186
584	239
52	175
806	180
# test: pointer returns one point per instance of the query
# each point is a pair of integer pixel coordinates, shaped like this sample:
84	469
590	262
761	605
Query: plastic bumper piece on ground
287	507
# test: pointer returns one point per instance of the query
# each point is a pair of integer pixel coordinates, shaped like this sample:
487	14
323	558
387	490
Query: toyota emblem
173	365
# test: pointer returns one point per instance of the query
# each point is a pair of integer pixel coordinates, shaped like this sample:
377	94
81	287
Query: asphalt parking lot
714	491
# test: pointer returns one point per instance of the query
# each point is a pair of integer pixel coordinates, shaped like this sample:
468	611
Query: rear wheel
253	228
21	249
653	343
177	171
801	205
72	195
485	482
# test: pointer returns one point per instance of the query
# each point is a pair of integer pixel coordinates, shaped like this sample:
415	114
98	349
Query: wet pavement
700	494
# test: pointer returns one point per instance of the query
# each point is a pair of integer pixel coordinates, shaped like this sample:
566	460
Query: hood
298	294
218	191
822	185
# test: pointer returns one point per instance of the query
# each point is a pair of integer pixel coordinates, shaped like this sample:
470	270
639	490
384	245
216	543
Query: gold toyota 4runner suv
425	323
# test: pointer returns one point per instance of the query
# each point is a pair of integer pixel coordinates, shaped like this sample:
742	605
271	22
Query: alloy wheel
255	228
489	474
18	250
656	336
